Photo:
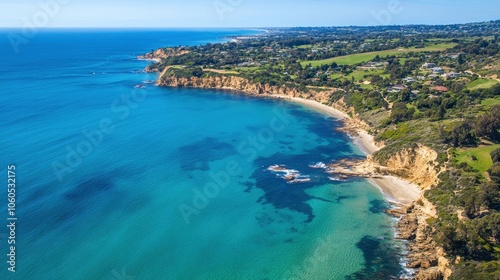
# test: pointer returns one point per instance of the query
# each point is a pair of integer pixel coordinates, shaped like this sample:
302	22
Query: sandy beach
362	139
395	189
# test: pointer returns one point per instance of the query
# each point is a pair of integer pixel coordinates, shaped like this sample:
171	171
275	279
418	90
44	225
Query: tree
495	155
494	172
451	240
400	113
472	205
461	59
197	72
405	95
376	79
463	135
487	126
441	111
489	195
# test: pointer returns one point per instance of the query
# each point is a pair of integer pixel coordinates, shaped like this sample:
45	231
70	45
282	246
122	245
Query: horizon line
245	27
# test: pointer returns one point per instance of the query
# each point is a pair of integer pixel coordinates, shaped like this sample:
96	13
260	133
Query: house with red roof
440	89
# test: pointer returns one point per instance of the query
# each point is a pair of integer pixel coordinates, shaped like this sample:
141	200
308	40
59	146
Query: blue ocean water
117	178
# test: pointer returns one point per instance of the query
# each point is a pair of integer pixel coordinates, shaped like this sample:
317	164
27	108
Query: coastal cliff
225	82
243	85
159	55
417	165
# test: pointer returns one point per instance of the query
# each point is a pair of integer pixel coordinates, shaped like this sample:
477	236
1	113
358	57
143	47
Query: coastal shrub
397	133
494	172
442	158
490	195
401	113
476	270
465	167
463	135
495	155
336	95
451	240
488	125
197	72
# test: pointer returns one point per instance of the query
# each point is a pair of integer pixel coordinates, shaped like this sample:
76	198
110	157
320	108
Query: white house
409	80
397	88
452	75
437	70
428	65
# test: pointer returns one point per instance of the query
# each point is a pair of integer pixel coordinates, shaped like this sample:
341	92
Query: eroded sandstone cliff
418	165
226	82
163	54
159	55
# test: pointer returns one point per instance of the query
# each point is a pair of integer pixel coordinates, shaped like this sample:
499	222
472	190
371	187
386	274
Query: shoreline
361	138
396	190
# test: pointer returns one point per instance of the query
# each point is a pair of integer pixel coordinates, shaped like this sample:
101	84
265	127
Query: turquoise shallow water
177	185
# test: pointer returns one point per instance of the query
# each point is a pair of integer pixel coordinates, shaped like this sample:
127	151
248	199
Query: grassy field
483	162
360	75
436	47
305	46
360	57
221	71
482	83
366	86
435	40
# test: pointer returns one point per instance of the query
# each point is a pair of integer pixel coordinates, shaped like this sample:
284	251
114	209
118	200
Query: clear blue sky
243	13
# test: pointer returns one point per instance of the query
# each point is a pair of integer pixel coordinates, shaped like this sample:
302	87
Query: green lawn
482	83
248	69
359	74
490	102
336	76
436	47
360	57
305	46
366	86
435	40
221	71
483	162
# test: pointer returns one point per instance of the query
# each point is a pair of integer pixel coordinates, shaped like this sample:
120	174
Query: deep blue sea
117	178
